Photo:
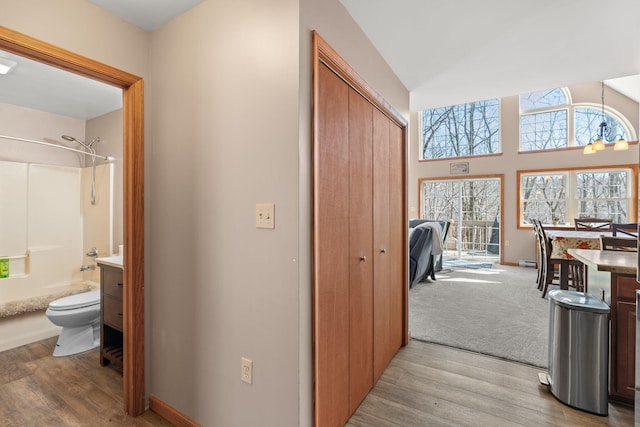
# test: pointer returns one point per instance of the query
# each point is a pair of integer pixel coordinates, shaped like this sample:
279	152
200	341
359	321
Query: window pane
587	121
544	197
542	99
543	131
603	194
461	130
440	200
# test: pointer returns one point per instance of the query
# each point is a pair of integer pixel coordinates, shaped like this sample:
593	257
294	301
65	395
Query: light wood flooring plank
429	384
37	389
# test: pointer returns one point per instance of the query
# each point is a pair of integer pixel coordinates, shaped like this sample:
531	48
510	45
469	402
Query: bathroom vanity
111	312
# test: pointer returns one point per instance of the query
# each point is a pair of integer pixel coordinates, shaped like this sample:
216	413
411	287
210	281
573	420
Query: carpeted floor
496	311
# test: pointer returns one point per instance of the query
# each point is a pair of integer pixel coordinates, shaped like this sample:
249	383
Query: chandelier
605	134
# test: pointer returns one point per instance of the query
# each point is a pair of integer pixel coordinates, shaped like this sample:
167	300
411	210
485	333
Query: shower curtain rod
107	158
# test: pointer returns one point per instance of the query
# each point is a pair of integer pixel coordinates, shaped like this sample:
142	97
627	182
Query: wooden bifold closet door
359	235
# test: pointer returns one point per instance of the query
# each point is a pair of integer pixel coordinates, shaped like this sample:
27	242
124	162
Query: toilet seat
84	299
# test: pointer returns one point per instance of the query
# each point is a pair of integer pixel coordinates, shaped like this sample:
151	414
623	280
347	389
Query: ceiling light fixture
605	135
6	65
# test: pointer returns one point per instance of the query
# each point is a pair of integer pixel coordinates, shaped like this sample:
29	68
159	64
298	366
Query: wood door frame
133	193
323	53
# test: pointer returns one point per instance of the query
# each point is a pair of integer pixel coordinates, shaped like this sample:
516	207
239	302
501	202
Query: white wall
521	241
223	103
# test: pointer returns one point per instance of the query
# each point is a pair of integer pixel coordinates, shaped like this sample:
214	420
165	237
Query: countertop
112	261
621	262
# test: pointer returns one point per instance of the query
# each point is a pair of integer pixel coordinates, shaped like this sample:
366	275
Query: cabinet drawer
112	311
112	282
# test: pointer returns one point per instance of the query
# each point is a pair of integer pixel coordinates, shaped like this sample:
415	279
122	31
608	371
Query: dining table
563	240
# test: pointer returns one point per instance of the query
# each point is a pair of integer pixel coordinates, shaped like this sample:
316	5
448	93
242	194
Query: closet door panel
360	249
331	250
381	249
398	244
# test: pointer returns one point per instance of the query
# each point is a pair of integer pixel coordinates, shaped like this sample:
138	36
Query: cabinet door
381	249
331	251
360	250
398	244
389	231
624	382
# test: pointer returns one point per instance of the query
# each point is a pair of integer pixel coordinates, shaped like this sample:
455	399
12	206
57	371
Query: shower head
69	138
84	144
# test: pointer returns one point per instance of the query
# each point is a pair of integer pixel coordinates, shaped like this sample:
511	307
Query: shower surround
48	225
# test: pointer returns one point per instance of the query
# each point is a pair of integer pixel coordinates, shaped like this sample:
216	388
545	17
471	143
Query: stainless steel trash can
579	350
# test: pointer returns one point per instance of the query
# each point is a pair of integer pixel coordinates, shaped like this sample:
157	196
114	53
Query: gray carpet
496	311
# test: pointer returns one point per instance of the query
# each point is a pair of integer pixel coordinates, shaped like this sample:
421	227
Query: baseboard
170	414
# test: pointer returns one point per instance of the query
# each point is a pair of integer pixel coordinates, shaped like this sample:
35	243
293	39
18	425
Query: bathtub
25	295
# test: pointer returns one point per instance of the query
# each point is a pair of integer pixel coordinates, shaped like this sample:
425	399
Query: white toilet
79	316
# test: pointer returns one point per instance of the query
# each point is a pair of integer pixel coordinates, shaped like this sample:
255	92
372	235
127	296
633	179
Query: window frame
632	214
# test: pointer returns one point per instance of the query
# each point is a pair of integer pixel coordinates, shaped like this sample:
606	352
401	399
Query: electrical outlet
265	215
247	370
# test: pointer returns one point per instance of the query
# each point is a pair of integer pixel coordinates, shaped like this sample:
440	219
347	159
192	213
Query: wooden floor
425	385
37	389
433	385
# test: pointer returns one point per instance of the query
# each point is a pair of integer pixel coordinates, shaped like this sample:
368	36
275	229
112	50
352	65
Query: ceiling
520	47
147	14
457	51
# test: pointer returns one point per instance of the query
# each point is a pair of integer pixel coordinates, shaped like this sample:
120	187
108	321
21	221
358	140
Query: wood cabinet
359	240
623	337
111	315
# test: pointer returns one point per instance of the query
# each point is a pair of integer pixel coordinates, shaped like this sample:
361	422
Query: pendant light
604	135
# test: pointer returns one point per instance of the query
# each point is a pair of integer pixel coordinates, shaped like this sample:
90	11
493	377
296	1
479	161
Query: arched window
587	120
545	123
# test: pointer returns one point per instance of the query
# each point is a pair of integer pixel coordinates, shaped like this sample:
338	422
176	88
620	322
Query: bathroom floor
39	389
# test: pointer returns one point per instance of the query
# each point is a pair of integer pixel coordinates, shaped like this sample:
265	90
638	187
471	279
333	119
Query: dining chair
628	229
577	273
592	224
627	244
540	263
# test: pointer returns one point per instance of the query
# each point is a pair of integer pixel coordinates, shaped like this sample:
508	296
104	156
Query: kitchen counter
620	262
112	261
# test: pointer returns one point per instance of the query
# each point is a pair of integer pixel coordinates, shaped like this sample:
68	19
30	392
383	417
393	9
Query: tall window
461	130
545	123
557	197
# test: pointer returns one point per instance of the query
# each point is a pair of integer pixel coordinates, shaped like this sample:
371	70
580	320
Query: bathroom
54	206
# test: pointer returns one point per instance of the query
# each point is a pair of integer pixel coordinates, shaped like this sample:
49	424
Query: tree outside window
461	130
560	196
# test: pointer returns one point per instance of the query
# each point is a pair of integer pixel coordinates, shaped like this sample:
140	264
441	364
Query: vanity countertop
614	261
113	261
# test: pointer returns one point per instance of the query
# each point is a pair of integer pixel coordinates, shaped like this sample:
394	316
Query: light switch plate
247	370
265	215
